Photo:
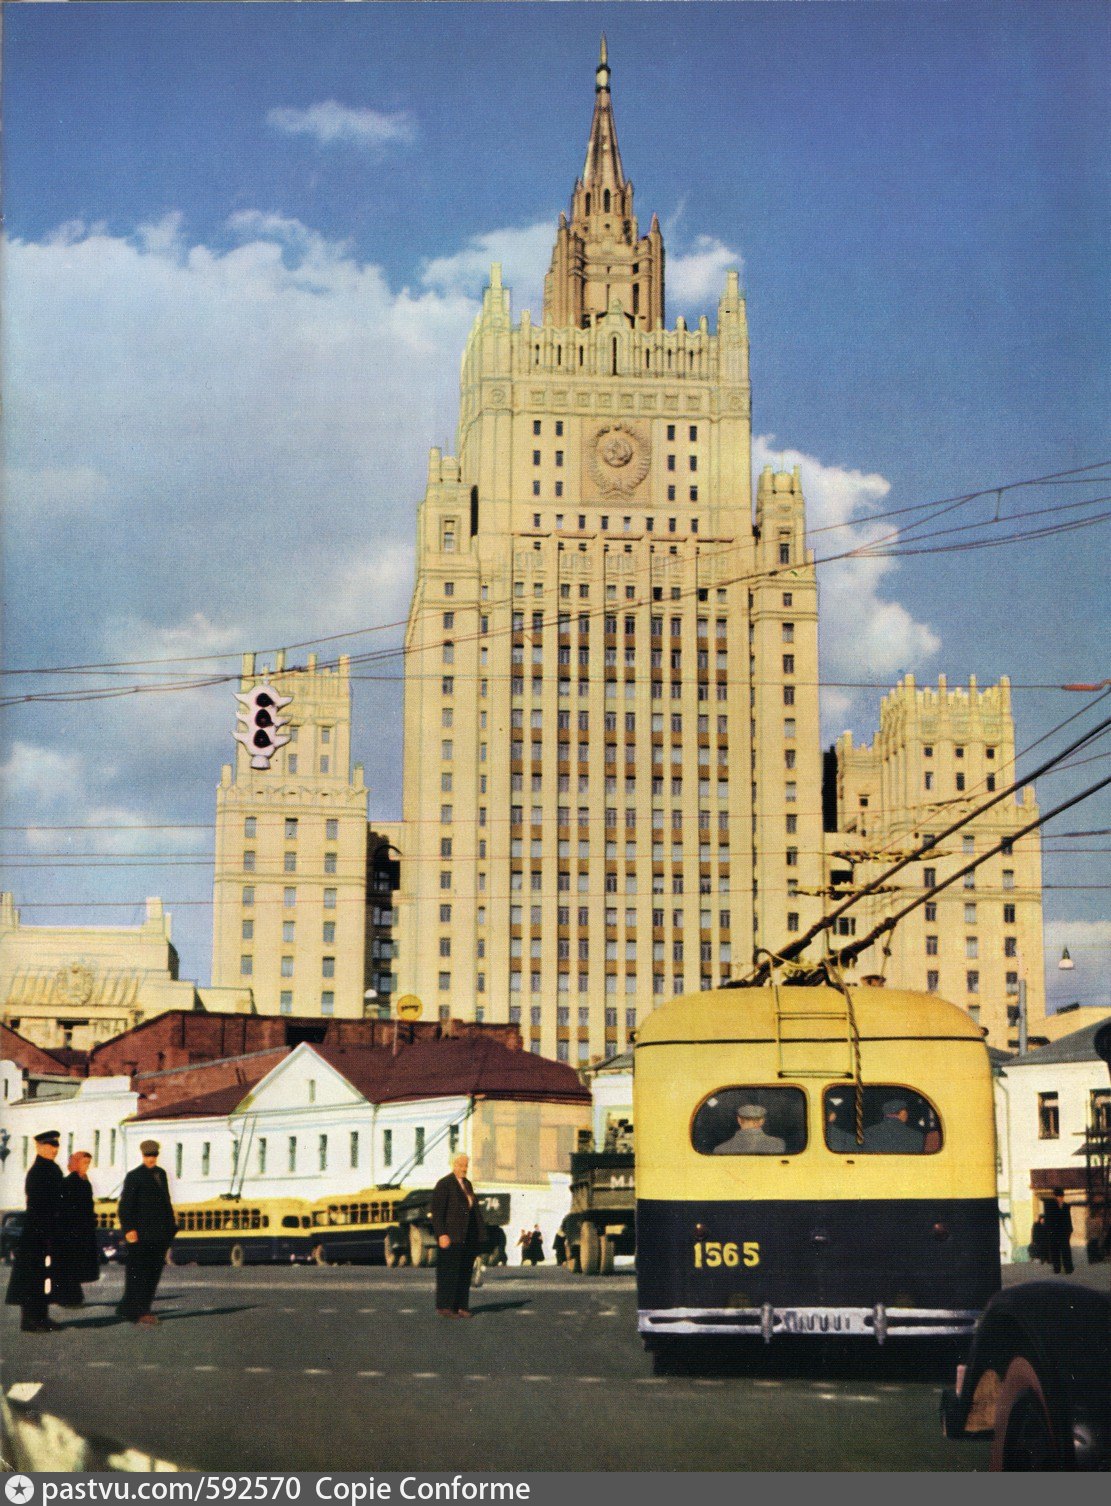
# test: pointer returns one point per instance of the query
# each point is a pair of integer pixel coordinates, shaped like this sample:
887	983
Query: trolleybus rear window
896	1122
751	1121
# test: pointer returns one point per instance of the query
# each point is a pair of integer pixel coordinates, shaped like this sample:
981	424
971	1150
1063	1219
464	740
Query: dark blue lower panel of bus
264	1250
932	1253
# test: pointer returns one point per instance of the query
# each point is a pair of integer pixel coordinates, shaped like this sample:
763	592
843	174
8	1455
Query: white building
92	1115
1050	1101
325	1122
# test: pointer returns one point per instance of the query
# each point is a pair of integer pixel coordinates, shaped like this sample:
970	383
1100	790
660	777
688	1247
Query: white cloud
525	253
40	776
865	633
329	124
697	276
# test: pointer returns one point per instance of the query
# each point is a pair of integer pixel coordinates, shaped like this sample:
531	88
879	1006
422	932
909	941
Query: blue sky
244	248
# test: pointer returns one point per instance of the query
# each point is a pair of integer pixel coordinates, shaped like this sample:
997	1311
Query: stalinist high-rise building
612	767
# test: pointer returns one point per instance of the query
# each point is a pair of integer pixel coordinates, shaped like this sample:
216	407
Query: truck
602	1220
410	1240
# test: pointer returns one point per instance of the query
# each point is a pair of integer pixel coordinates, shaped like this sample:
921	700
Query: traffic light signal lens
262	740
262	699
263	719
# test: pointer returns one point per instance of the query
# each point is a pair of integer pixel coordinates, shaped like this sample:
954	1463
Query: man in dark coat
1058	1229
34	1269
460	1231
78	1249
894	1135
147	1219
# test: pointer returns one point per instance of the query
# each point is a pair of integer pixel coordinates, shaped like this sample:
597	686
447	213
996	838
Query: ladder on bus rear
798	1044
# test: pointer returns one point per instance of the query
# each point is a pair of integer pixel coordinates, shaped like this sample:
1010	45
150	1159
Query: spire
602	168
601	261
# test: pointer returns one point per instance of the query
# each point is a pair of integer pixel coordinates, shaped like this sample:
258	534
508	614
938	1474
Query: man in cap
34	1268
750	1138
1058	1229
894	1135
147	1219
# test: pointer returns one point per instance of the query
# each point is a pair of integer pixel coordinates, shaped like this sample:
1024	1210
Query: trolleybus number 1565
710	1252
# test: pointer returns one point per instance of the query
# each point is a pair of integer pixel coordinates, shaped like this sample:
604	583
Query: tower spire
602	168
601	262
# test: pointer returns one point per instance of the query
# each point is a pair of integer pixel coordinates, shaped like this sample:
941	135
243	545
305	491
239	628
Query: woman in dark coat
79	1253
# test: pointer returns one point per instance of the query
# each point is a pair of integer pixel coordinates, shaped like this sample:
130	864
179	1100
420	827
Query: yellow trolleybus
812	1160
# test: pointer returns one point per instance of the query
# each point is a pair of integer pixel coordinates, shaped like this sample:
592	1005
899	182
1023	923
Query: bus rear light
940	1232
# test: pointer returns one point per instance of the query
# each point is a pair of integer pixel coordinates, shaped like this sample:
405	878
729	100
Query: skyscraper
612	774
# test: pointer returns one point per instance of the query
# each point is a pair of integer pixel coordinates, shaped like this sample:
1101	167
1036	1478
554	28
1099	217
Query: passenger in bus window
894	1134
837	1137
750	1138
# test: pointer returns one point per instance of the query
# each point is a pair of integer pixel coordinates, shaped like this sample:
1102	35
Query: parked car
1038	1379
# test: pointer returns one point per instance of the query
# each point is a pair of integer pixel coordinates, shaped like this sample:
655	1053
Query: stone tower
612	773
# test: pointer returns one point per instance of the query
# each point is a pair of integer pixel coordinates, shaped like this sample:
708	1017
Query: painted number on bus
709	1253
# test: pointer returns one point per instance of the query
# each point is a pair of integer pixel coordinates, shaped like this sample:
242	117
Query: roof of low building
466	1066
1079	1046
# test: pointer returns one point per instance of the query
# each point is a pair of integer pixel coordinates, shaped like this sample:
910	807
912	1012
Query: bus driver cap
149	1148
752	1111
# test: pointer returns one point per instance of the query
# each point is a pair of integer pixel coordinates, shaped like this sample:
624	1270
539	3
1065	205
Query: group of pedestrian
1051	1236
531	1245
58	1251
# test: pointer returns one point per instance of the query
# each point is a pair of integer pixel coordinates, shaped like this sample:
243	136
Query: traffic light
263	732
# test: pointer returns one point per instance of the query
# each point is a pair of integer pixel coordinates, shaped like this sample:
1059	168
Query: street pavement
349	1368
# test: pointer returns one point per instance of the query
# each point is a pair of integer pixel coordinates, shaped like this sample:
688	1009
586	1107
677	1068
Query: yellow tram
812	1160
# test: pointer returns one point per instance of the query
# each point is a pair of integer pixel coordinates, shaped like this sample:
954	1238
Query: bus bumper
768	1322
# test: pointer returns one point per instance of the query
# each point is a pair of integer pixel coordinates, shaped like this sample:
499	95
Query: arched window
606	201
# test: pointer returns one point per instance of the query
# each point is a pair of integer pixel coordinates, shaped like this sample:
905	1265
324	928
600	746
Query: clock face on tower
618	456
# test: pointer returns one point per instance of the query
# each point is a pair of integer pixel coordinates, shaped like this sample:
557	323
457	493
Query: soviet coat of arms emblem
618	456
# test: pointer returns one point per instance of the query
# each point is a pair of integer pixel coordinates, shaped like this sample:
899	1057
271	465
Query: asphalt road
349	1369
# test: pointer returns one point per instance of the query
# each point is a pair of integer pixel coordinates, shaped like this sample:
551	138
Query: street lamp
1066	963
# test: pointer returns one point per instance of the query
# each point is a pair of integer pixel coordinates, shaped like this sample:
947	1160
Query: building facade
69	988
1054	1119
290	914
937	754
612	779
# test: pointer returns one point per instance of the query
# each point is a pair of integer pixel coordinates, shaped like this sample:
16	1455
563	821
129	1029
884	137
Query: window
249	863
287	967
418	1147
331	830
1009	913
972	981
896	1122
329	862
328	965
750	1121
289	930
1049	1116
246	966
330	899
249	896
248	930
291	828
929	878
1008	878
289	862
322	1153
931	946
285	1001
327	1002
387	1147
250	826
206	1158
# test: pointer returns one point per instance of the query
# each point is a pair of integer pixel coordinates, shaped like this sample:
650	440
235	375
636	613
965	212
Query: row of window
247	966
289	931
289	862
538	589
291	827
289	897
972	946
929	879
294	1146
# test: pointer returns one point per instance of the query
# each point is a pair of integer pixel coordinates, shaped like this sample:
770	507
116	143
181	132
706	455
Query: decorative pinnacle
602	72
